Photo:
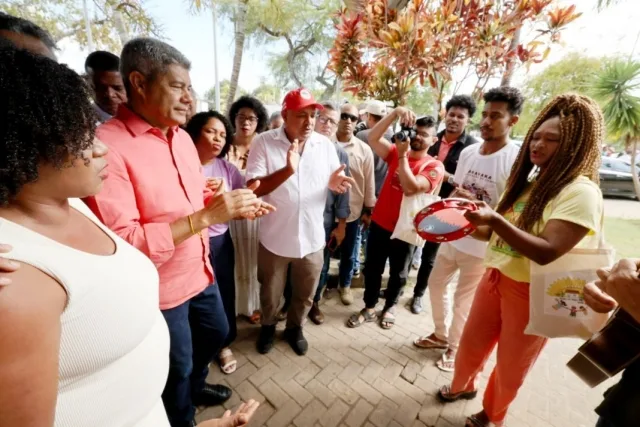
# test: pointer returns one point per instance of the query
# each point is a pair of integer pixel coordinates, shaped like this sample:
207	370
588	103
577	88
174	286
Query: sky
611	32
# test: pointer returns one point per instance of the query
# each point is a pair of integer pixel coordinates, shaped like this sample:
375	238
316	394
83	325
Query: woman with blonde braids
551	205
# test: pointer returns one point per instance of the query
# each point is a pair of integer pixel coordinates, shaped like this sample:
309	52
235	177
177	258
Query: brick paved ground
376	378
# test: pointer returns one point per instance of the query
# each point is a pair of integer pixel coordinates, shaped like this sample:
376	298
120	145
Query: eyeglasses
347	116
251	119
324	120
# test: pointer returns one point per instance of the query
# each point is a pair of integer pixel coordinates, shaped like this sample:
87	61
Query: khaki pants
272	275
448	261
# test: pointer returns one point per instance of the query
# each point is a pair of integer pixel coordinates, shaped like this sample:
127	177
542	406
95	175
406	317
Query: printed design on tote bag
564	297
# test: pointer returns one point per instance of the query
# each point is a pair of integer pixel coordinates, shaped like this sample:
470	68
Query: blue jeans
361	241
348	253
223	262
197	330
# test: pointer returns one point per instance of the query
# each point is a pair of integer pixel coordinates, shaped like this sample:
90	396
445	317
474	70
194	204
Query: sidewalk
376	378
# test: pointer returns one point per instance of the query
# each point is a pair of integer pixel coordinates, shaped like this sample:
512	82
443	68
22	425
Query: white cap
377	108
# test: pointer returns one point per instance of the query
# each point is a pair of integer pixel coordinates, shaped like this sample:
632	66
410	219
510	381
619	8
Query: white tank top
114	346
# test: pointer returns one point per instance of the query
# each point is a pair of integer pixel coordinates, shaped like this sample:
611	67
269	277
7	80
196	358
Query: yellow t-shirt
579	202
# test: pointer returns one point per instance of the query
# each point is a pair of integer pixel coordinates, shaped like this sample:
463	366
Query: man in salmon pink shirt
156	199
411	171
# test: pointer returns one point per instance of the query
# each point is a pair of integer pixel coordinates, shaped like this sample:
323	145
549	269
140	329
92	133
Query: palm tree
240	24
616	86
239	18
602	4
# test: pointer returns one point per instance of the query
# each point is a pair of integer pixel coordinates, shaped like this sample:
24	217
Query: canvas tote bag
409	208
556	299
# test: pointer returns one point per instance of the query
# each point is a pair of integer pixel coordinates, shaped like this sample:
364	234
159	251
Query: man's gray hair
149	57
328	105
275	115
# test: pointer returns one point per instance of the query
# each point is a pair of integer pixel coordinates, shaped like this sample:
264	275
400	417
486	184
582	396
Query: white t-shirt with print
486	177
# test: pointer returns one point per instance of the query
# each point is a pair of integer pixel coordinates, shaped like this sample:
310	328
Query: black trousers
429	252
380	247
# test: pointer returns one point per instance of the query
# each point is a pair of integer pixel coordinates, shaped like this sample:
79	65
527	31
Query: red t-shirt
387	208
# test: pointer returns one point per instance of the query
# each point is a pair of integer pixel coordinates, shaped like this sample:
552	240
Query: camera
405	132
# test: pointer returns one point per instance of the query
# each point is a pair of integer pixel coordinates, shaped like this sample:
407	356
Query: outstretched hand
241	417
339	182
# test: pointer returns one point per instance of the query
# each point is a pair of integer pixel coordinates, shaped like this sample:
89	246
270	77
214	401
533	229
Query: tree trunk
121	28
240	25
511	64
439	102
634	169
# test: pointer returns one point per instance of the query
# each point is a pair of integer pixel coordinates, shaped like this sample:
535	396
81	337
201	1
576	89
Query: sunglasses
347	116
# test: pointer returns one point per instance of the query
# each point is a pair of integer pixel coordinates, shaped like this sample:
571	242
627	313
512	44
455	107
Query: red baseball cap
298	99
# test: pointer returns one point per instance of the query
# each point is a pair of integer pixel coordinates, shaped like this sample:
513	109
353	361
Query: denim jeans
360	240
222	258
348	253
197	330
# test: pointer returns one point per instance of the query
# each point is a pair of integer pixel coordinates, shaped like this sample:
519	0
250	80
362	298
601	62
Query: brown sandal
430	343
445	395
362	317
480	420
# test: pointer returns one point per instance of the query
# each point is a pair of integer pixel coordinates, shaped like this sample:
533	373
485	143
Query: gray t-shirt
379	165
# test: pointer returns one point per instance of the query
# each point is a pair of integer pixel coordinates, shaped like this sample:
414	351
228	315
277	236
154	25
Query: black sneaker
212	395
265	339
416	305
296	340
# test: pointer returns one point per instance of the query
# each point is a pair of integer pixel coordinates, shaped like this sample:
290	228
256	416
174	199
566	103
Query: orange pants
499	315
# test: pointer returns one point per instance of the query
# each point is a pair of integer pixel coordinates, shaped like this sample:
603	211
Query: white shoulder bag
556	299
409	208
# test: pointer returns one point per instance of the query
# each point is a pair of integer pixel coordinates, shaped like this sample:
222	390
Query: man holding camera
411	171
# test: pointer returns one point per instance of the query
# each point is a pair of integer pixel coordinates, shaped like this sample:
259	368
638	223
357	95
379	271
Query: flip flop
367	317
429	343
231	366
446	363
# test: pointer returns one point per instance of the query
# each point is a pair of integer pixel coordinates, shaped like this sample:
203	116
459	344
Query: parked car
615	178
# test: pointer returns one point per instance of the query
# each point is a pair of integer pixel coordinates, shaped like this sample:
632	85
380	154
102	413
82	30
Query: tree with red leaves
382	53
